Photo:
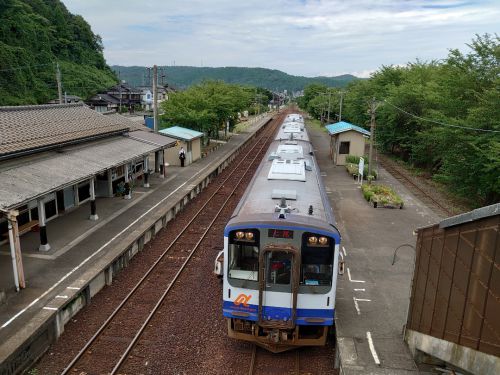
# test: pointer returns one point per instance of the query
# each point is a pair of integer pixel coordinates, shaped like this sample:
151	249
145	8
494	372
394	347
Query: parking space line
356	305
343	249
350	278
372	348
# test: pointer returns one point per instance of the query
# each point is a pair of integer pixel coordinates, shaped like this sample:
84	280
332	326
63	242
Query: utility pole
59	88
329	97
373	108
155	98
341	99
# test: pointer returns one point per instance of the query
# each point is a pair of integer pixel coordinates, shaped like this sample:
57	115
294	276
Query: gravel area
452	205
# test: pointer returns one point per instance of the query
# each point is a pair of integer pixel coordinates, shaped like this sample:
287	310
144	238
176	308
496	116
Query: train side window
244	262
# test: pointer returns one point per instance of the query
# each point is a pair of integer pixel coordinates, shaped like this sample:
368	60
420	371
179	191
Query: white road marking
362	299
35	301
343	249
356	305
350	279
50	308
63	297
359	290
72	288
341	255
372	348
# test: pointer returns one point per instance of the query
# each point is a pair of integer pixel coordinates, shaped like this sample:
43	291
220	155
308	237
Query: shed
346	139
187	138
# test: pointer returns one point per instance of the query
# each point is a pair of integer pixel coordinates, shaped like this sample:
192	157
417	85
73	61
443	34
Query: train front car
281	250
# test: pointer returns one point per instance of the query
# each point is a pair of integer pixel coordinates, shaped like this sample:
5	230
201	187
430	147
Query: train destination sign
280	233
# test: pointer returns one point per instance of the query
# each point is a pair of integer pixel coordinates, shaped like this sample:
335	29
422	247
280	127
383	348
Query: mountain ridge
185	76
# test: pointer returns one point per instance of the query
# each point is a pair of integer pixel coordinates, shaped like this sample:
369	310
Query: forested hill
185	76
34	35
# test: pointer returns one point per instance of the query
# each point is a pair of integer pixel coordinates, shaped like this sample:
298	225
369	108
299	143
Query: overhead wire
439	122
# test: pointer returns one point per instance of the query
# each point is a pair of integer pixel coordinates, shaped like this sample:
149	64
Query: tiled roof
342	126
34	176
179	132
34	127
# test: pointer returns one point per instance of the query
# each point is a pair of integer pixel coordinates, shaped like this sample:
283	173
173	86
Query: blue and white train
281	247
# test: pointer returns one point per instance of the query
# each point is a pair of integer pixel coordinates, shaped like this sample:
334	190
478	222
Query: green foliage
352	159
207	107
462	91
34	35
381	194
185	76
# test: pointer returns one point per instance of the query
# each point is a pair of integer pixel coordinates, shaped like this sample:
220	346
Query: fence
456	284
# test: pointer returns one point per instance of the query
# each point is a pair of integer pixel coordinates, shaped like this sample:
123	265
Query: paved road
372	295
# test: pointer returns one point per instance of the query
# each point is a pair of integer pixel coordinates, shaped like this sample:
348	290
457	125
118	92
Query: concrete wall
357	146
460	356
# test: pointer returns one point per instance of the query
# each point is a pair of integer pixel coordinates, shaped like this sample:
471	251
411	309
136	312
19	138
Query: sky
300	37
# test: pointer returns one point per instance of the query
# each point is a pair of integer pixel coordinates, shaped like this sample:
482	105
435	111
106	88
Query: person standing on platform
182	156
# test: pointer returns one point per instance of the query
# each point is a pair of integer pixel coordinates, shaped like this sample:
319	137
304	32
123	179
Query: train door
278	286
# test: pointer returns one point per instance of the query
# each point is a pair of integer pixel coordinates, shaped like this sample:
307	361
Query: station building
53	158
346	139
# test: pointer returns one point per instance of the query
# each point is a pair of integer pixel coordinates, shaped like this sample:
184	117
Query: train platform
85	254
372	295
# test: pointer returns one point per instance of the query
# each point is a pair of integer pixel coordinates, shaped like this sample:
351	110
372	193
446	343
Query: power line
441	123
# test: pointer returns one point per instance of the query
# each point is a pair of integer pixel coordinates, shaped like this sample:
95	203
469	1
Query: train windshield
317	260
244	262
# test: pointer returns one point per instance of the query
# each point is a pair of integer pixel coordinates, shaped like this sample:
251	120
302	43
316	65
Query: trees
458	94
34	34
207	107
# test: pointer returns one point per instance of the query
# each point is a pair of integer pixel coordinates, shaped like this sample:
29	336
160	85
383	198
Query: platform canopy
28	178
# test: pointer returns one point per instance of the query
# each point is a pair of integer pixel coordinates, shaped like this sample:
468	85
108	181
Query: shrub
352	159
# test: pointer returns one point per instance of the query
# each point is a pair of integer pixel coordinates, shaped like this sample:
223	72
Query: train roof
287	183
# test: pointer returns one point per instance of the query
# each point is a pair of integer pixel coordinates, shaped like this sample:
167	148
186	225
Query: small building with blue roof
189	139
346	139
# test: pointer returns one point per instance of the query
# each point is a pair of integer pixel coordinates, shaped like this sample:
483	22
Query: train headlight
312	240
323	241
240	235
249	236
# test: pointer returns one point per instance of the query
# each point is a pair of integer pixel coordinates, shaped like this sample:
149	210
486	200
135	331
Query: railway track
414	188
109	348
263	362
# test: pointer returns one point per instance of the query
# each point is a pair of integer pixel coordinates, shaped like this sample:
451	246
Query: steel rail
184	265
152	268
392	169
252	360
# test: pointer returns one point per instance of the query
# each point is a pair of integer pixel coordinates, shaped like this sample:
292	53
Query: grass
315	124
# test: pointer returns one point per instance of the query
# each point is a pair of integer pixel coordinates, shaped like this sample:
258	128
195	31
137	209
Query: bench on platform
28	226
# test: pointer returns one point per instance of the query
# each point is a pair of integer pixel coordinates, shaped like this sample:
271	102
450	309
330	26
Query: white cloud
299	37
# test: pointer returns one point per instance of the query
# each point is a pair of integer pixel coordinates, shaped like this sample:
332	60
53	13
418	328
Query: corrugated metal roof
39	126
179	132
478	213
342	126
25	179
